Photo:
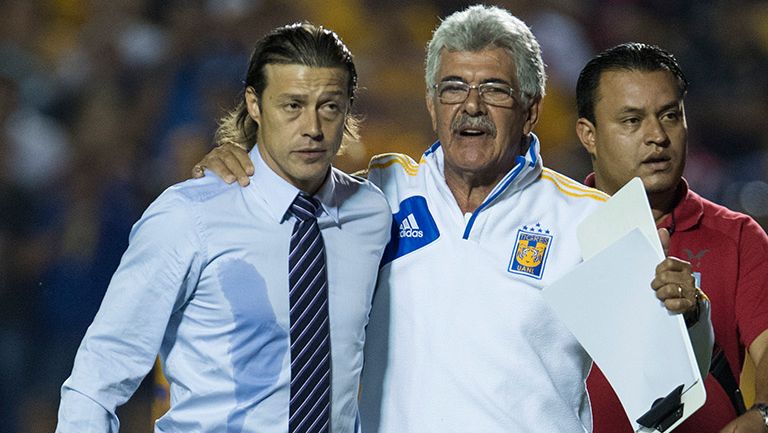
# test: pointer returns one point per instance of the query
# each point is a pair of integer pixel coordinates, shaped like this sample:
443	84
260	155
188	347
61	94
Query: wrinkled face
640	131
301	121
478	139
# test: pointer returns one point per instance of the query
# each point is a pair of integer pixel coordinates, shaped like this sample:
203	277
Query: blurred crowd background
103	104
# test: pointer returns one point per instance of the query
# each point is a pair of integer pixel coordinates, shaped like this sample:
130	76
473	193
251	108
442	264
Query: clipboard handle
664	411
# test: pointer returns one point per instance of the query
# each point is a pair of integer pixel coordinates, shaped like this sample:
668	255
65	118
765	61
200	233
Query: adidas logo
409	228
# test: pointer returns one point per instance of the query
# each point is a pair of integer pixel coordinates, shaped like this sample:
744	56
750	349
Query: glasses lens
452	92
496	94
456	92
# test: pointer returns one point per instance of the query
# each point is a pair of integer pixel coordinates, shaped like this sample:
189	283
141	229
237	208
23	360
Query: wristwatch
762	408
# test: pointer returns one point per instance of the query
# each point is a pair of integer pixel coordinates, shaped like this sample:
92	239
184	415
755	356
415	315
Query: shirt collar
279	193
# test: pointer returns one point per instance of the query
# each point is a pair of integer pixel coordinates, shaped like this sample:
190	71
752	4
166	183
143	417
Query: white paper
626	210
609	306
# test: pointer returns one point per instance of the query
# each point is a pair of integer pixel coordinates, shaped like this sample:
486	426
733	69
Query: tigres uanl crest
530	253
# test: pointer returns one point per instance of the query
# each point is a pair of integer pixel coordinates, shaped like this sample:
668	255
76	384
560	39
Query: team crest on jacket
531	249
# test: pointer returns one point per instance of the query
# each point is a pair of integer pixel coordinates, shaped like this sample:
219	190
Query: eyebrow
303	96
674	104
628	109
488	80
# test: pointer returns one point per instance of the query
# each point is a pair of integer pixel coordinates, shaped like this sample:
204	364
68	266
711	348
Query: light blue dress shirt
204	283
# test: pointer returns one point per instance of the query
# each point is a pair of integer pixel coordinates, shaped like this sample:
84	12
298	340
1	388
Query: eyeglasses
456	92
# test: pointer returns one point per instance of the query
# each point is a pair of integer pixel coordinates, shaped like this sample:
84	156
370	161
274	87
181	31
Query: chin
661	186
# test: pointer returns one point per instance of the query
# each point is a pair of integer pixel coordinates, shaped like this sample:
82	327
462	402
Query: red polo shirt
730	252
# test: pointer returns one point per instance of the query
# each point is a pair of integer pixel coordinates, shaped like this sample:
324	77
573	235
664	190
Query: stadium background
103	104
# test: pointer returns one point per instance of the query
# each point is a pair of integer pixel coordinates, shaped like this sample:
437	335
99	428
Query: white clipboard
626	210
612	224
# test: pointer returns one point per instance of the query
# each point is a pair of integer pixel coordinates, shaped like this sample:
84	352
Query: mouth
658	163
318	150
473	126
472	132
311	153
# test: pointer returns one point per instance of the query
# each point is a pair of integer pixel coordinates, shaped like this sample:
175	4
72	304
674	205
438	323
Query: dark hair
294	44
631	56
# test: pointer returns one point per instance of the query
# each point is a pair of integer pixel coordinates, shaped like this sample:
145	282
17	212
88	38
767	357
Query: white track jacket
460	338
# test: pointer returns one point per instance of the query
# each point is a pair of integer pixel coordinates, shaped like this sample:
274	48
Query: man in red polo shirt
632	122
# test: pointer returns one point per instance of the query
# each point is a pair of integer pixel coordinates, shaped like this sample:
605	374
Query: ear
586	131
430	98
532	116
252	104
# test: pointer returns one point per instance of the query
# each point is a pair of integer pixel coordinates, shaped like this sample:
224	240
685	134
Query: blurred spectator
21	253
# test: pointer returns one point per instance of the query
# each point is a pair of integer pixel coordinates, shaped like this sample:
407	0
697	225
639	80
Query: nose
655	133
312	125
474	104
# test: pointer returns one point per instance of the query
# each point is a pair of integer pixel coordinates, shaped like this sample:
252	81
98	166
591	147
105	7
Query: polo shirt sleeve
156	276
752	287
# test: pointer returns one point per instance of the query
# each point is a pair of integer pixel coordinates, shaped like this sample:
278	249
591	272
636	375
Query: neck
469	196
662	204
470	189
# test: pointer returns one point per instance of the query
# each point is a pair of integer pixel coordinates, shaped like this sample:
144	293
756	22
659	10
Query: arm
752	421
752	308
154	279
757	351
229	161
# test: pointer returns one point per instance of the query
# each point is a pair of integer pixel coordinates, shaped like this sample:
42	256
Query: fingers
664	236
674	285
228	161
241	153
678	304
198	171
673	264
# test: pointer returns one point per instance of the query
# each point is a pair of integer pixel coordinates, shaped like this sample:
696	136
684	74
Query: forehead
618	88
302	79
477	66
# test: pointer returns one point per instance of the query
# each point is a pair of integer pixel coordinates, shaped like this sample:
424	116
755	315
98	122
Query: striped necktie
310	405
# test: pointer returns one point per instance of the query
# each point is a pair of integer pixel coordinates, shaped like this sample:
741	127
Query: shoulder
394	162
359	200
394	172
175	209
719	212
352	190
570	191
201	190
730	223
169	225
391	166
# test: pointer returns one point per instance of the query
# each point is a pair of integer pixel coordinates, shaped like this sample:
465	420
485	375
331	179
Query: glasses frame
480	91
